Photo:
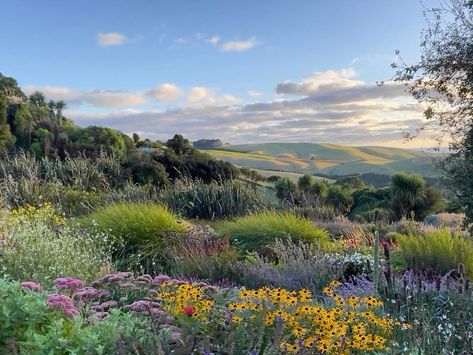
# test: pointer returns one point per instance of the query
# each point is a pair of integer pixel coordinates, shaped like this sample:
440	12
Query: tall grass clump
76	184
37	245
256	231
217	200
140	228
441	251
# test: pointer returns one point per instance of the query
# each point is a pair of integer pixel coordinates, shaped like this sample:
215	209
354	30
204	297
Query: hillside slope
329	159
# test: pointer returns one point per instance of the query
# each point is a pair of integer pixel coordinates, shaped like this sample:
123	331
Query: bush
142	228
37	246
194	199
203	256
28	325
254	232
440	251
296	266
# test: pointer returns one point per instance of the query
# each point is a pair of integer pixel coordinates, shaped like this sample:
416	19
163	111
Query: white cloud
165	92
238	46
111	39
199	93
106	98
331	106
254	93
214	40
321	82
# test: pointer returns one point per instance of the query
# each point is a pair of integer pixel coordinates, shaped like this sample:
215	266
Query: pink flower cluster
68	283
62	302
31	285
146	307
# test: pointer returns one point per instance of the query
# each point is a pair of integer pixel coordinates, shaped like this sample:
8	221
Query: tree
286	190
23	123
459	169
5	132
136	138
180	145
407	193
37	98
442	82
319	190
305	182
339	198
51	108
60	106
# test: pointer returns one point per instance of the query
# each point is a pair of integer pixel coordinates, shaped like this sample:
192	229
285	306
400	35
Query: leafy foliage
36	245
194	199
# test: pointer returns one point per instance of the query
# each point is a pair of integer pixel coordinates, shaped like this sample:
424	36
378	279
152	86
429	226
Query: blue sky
239	70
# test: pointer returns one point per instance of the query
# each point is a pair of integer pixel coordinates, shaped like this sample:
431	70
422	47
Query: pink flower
69	283
31	285
86	293
62	302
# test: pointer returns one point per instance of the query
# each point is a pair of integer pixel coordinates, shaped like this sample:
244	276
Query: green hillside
328	159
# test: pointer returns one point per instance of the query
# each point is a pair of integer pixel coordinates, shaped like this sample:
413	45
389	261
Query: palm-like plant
60	105
408	192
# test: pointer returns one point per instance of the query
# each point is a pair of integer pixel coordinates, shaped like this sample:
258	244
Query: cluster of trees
33	124
442	82
406	196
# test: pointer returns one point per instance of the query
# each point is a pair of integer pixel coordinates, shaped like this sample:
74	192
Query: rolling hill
328	159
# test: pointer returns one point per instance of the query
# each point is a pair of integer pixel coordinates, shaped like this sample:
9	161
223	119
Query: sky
244	71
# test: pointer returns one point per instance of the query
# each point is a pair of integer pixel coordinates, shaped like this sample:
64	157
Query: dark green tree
286	190
60	106
305	182
136	138
179	145
5	132
339	198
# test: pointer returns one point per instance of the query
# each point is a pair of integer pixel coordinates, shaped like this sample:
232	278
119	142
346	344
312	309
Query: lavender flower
158	280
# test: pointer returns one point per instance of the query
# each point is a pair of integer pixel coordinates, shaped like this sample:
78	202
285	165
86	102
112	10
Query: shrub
441	251
204	257
37	246
29	325
296	266
194	199
256	231
144	230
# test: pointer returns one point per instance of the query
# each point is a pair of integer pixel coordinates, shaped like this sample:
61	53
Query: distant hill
329	159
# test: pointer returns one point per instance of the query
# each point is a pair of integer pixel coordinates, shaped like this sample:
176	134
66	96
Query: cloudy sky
239	70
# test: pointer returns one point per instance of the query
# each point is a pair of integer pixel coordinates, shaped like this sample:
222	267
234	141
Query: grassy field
328	159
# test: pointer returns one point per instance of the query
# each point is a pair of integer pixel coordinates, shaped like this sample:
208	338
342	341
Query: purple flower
108	304
68	283
146	308
119	276
31	285
62	302
158	280
86	293
145	278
